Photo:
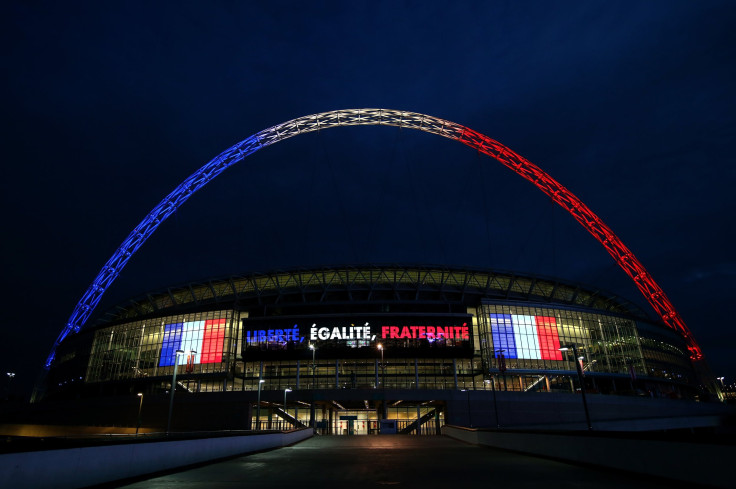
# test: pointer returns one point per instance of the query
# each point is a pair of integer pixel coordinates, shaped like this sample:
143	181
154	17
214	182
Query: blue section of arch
224	160
147	226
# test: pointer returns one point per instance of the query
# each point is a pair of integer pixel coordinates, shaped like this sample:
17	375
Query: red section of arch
593	224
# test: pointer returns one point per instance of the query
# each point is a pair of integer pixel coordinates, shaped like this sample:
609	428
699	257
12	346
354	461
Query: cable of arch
368	117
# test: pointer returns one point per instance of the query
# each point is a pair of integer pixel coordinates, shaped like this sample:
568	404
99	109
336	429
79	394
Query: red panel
549	338
213	340
593	224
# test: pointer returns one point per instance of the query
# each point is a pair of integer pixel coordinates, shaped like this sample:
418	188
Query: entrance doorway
351	418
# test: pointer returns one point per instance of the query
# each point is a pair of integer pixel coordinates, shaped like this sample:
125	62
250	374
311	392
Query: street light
10	375
140	406
495	404
314	386
288	389
501	361
314	351
580	378
384	408
258	406
173	389
470	416
383	366
493	386
721	379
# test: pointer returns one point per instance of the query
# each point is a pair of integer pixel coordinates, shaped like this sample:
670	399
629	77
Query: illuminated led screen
403	335
520	336
204	337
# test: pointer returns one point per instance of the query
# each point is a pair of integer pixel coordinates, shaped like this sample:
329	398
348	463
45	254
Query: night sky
107	108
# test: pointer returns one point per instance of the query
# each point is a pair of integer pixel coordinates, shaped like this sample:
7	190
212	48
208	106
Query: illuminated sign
351	332
274	335
357	336
428	332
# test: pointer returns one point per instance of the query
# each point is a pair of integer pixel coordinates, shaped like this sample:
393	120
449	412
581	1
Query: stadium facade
343	348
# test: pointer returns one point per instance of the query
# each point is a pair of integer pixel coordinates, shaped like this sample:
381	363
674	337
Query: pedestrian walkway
327	462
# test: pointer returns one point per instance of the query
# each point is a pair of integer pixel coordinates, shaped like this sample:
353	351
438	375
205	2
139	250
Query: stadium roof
369	283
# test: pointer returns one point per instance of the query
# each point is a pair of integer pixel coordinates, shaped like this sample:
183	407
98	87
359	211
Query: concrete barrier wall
689	462
554	411
43	430
80	467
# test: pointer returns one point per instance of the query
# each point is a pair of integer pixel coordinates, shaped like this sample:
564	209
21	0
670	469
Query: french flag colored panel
171	343
549	338
213	340
525	335
191	339
502	331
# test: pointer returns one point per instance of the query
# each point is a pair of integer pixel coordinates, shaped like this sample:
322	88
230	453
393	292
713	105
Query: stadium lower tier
495	346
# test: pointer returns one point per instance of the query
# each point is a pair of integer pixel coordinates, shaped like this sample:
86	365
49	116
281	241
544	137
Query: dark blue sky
107	108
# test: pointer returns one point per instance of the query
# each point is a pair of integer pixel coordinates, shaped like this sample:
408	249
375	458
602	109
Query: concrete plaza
398	461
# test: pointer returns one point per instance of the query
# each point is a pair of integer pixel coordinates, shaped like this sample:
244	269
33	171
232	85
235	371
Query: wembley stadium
343	348
367	349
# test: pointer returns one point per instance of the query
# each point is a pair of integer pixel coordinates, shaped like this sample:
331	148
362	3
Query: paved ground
328	462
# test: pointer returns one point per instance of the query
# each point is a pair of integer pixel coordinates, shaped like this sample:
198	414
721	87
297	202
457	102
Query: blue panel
171	343
503	334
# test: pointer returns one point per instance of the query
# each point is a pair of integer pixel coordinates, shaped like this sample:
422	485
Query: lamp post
721	379
173	389
493	385
285	391
580	378
384	408
495	404
11	375
314	386
314	351
383	366
470	416
140	406
258	406
501	363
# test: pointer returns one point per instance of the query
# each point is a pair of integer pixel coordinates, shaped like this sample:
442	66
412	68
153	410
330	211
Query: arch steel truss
369	117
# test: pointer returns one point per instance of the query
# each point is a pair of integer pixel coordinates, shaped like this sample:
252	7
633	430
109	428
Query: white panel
525	334
191	339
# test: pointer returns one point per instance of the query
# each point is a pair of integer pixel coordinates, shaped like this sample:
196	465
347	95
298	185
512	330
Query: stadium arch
625	259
